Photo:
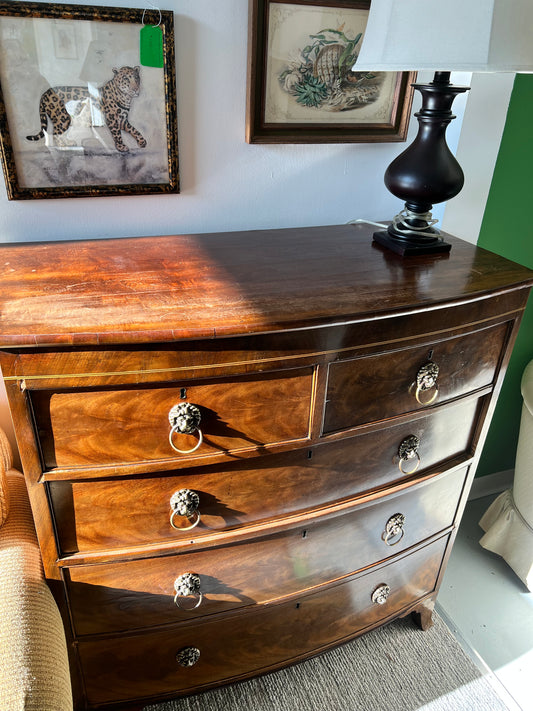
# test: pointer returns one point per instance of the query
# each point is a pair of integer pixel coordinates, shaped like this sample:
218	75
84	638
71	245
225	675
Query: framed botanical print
301	84
87	101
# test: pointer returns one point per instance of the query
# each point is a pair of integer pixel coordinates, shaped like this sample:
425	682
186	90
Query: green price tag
151	46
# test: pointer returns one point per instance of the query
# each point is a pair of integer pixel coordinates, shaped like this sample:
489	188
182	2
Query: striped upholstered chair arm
34	674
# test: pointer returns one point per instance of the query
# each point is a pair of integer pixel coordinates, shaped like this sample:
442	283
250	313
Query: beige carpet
396	668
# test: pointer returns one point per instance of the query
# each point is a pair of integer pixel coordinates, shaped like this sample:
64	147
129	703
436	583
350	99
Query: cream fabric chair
508	522
34	673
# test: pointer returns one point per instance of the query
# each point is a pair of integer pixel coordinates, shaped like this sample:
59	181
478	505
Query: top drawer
376	387
113	426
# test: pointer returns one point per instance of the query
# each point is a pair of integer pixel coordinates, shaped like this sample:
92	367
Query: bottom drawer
138	666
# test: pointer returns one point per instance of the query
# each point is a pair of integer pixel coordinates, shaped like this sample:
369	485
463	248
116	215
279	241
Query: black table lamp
463	35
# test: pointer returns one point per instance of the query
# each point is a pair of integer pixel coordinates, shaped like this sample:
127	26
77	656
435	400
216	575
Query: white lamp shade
448	35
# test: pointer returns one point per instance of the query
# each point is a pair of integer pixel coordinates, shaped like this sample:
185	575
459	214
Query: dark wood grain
207	286
92	427
92	515
301	347
136	594
97	429
270	637
197	359
384	385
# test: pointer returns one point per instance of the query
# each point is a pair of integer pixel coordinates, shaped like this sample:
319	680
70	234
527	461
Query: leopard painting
114	101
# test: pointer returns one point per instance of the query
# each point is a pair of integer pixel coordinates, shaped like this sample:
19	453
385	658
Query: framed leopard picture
87	101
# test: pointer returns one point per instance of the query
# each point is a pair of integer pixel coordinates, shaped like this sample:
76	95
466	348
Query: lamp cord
399	222
366	222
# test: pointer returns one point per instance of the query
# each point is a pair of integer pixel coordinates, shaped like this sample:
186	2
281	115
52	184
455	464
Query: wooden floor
490	611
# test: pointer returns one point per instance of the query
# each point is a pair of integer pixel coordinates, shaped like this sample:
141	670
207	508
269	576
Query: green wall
507	229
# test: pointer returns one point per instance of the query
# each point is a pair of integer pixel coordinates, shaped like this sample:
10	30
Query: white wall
226	183
477	151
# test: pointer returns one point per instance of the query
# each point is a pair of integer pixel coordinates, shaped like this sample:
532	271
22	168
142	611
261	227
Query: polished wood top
163	289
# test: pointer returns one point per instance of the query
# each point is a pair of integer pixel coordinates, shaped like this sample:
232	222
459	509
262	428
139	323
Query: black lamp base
408	248
426	173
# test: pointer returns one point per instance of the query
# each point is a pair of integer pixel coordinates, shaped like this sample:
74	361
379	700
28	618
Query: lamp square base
409	249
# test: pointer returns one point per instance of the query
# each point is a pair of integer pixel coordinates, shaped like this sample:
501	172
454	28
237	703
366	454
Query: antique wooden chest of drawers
243	449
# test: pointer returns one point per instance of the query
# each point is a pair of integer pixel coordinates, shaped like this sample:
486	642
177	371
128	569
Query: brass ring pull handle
188	585
185	503
188	656
394	529
408	450
426	380
185	418
380	594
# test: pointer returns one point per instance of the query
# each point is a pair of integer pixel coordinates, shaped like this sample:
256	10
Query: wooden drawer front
136	594
368	389
142	665
110	514
103	427
107	514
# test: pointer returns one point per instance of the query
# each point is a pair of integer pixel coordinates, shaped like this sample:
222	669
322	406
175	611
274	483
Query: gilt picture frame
301	87
80	115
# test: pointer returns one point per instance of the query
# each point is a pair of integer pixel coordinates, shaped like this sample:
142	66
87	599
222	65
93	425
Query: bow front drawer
188	657
112	513
371	388
148	592
184	421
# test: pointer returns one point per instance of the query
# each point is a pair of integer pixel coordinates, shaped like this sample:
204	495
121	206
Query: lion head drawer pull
407	451
187	585
185	418
380	594
188	656
426	380
185	503
394	529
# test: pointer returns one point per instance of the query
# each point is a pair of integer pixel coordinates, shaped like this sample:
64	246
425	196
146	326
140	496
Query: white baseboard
491	484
